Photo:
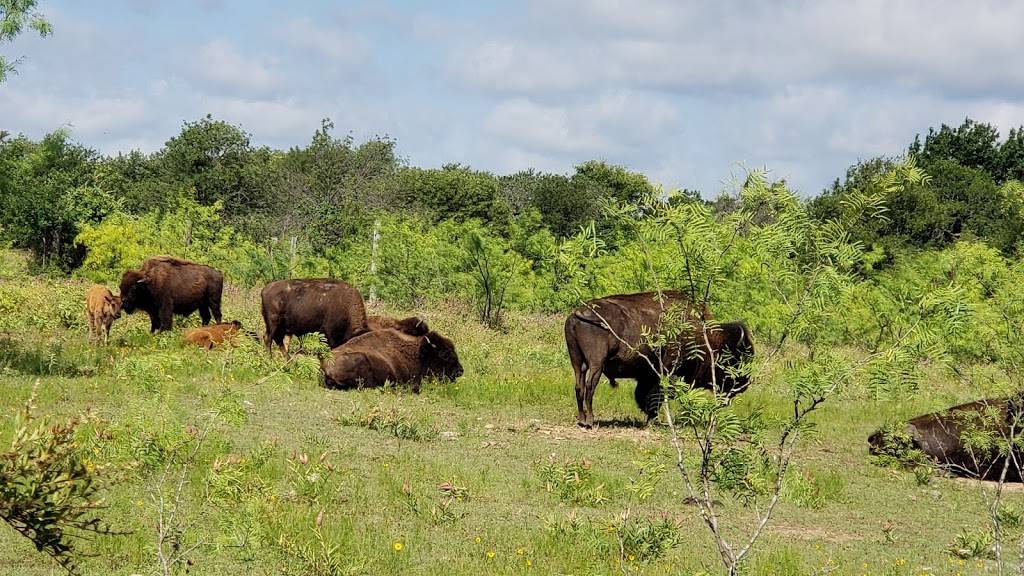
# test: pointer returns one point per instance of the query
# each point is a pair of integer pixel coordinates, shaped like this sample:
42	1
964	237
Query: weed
573	482
392	422
813	489
647	539
973	544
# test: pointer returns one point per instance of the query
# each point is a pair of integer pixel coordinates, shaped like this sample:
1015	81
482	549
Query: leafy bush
50	486
572	482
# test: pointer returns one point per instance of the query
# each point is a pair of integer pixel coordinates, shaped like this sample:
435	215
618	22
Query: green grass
461	475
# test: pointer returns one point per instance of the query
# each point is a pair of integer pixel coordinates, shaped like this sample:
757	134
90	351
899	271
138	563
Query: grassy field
455	480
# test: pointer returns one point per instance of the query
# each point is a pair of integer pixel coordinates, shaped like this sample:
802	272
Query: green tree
48	195
217	161
972	145
15	16
454	191
1011	155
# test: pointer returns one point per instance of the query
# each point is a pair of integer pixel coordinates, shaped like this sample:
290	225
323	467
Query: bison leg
215	308
648	396
154	322
592	380
204	313
167	316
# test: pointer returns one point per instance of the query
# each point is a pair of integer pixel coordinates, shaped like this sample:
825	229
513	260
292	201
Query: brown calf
101	308
210	336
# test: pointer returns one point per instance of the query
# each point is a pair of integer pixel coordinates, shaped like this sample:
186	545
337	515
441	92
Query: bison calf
214	335
387	355
101	308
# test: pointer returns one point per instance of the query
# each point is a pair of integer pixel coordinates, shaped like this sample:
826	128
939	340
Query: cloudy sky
687	92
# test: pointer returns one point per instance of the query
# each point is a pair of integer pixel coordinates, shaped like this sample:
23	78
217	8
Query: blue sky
686	92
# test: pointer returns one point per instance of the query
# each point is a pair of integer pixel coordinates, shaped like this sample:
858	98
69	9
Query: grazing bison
101	308
388	355
297	307
210	336
607	336
413	325
165	286
942	437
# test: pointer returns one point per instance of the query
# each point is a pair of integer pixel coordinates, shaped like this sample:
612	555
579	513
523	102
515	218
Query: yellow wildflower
490	553
397	546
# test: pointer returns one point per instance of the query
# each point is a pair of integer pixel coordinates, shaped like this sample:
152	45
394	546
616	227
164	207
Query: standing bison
166	286
611	336
297	307
389	355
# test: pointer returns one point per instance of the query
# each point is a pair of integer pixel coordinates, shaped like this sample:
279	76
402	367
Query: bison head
413	326
114	306
439	358
133	290
737	348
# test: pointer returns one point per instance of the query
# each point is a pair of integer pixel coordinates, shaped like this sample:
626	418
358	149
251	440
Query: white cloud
276	120
612	122
954	46
338	45
88	118
222	64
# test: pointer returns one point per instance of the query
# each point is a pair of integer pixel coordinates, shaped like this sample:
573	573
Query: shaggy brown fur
606	336
297	307
413	325
387	355
210	336
165	286
101	309
939	435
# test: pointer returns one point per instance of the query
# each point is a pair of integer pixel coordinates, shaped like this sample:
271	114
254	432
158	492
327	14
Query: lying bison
611	336
101	309
297	307
388	355
209	337
945	437
165	286
413	325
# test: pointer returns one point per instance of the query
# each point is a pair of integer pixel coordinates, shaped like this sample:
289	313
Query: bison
413	325
210	336
611	336
943	437
388	355
101	308
165	286
297	307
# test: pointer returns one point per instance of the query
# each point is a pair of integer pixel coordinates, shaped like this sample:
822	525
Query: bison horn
427	338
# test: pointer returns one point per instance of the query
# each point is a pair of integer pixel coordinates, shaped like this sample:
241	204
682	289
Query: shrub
49	486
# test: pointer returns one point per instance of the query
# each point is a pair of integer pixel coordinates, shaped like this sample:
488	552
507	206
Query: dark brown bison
297	307
388	355
101	308
165	286
210	336
942	436
413	325
610	336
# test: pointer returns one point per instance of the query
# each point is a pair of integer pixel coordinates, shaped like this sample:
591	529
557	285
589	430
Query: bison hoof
584	425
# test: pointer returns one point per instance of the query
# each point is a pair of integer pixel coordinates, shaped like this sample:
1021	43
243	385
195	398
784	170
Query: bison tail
590	316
